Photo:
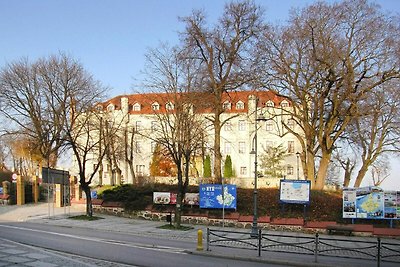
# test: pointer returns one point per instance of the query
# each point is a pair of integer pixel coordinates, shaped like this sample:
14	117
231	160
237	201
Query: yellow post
6	186
199	240
20	190
35	189
59	195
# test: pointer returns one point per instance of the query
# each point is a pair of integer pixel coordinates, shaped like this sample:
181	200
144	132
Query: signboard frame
371	203
211	196
294	191
54	176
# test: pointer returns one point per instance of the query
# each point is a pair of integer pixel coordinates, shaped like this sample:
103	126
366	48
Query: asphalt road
114	247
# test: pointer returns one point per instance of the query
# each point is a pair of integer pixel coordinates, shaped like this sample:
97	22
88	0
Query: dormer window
155	106
110	107
269	103
99	107
136	107
227	105
169	106
284	104
240	105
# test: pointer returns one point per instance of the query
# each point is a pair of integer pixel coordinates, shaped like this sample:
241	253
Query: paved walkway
15	254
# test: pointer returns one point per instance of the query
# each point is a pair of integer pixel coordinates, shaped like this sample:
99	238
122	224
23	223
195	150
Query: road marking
107	241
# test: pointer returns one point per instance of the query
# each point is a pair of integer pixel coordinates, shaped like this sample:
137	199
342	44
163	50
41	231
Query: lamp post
298	170
254	228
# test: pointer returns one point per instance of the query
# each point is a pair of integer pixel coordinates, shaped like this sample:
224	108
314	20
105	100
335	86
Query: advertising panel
164	198
212	196
295	191
370	203
349	202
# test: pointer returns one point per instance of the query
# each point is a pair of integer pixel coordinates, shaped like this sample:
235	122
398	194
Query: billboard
371	203
294	191
213	196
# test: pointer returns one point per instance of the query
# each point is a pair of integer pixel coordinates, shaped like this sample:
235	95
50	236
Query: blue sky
110	37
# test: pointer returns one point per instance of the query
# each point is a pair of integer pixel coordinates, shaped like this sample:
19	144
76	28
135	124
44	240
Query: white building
137	111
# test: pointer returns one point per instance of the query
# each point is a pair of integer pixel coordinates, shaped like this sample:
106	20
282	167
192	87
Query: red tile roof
147	99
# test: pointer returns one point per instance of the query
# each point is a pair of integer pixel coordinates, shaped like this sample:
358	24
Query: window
242	125
138	147
290	170
140	170
138	126
240	105
155	106
154	126
284	104
269	144
136	107
243	170
290	147
227	148
226	105
269	126
228	126
153	146
99	107
242	147
291	123
269	103
110	107
169	106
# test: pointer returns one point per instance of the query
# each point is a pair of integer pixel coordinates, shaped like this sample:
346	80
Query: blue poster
211	196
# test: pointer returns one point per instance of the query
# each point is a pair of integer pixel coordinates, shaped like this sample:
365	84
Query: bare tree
224	54
180	128
43	101
326	60
375	133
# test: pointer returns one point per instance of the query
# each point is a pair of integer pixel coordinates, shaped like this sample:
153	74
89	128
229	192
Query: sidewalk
59	216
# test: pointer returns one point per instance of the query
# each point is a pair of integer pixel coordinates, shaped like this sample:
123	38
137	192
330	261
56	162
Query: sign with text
295	191
216	196
371	202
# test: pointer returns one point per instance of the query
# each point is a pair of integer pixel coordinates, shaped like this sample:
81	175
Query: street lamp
254	228
298	159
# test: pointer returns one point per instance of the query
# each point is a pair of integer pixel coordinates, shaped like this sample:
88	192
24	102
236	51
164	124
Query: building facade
138	112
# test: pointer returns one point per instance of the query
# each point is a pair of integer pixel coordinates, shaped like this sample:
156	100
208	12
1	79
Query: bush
324	205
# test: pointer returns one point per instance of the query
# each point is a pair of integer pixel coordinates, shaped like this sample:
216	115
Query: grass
85	218
172	227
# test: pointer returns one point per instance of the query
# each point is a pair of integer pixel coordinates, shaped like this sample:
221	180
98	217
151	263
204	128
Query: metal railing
372	249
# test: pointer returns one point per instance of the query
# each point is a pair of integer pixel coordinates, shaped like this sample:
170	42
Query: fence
379	250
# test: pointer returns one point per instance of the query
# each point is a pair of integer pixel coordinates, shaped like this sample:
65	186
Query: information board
213	196
371	203
294	191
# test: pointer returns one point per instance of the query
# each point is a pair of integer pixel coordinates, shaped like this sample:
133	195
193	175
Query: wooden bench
343	229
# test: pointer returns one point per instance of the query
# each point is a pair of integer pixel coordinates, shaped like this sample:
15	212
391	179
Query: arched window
227	105
169	106
240	105
155	106
136	107
110	107
284	104
269	103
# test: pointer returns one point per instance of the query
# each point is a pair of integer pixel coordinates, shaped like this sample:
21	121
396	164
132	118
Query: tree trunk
89	208
322	171
361	175
217	150
178	207
310	169
100	174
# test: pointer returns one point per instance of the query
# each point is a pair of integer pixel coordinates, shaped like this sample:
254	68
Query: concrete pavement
14	253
